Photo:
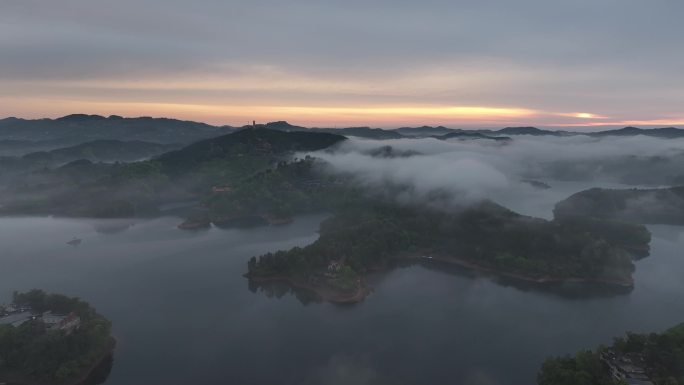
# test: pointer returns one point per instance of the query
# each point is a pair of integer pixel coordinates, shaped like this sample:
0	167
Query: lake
183	314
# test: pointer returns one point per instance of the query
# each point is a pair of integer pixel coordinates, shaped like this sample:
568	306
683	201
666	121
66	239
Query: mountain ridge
74	128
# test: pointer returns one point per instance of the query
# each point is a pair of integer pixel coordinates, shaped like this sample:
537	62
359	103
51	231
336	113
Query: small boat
75	242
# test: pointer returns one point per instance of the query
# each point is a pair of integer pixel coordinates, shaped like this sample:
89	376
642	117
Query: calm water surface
183	314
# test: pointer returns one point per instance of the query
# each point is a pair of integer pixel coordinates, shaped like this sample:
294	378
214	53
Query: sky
381	63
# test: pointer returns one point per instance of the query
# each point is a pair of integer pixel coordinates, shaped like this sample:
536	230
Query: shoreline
334	296
518	276
107	352
324	293
238	221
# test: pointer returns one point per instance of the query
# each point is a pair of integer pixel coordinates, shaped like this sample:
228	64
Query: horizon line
474	126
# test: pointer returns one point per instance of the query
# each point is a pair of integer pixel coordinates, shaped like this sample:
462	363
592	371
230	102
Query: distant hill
84	188
471	136
424	131
649	206
247	142
665	132
362	132
21	136
10	147
79	128
525	131
441	132
102	151
427	131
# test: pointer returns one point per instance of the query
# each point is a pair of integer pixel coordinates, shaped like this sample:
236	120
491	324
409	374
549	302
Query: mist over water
182	312
481	241
471	170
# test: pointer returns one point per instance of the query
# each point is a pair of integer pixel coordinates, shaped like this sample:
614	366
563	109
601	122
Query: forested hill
79	128
244	143
102	151
87	189
651	206
363	132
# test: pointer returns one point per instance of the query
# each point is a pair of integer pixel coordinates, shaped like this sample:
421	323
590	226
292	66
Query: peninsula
636	359
376	236
51	339
650	206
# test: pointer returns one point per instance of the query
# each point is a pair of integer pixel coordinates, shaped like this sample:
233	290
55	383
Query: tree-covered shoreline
652	357
649	206
33	352
376	235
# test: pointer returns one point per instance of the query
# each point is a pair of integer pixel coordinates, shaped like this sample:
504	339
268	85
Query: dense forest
32	353
100	151
84	188
289	188
652	206
373	234
78	128
660	355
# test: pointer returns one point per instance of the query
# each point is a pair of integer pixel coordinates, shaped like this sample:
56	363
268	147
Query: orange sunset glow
379	67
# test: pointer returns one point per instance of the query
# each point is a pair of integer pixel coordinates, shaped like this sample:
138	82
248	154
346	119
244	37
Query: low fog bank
455	172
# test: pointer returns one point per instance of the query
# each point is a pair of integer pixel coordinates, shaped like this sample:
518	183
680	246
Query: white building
67	322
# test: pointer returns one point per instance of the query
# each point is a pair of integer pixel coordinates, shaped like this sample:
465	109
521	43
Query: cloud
472	170
530	54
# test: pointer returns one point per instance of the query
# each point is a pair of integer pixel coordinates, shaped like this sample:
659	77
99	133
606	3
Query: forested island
650	206
639	359
51	339
372	235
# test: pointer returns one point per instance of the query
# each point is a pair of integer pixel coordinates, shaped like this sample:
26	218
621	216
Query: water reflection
567	290
278	290
178	300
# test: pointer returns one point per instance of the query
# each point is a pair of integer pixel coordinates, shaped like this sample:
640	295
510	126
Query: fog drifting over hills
470	170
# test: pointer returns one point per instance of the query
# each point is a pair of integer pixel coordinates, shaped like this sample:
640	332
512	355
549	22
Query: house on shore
626	368
334	266
20	315
67	323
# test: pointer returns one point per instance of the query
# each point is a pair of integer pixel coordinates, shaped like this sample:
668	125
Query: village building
68	322
626	368
18	315
334	266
